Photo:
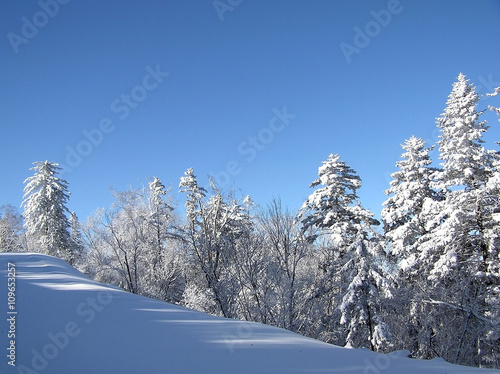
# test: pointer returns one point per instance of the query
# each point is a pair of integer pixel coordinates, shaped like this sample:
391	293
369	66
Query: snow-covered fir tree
456	253
404	225
465	162
466	168
45	211
355	280
410	187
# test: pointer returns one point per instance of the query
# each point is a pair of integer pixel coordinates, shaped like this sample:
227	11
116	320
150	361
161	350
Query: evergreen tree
46	222
456	253
405	224
465	162
354	274
410	187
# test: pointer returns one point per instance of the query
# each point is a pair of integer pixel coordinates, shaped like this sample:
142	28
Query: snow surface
67	323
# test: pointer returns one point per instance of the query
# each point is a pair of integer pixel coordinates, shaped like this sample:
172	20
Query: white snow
67	323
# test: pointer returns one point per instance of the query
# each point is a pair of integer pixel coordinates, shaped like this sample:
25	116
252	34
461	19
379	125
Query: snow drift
67	323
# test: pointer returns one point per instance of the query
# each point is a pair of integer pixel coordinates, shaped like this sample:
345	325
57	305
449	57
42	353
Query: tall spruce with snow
355	280
465	162
404	225
46	222
402	215
457	252
466	168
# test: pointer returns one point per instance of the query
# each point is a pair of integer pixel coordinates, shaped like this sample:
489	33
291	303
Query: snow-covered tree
368	285
404	225
165	276
491	107
455	254
160	214
466	168
354	281
10	229
45	211
410	187
288	251
214	224
465	162
333	206
125	248
76	237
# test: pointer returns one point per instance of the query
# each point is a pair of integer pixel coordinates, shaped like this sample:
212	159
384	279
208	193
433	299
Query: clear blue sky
161	86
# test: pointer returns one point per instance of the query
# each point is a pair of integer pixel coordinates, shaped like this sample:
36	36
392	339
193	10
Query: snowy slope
67	323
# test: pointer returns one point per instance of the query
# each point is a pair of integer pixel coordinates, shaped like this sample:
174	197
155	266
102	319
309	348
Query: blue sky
258	91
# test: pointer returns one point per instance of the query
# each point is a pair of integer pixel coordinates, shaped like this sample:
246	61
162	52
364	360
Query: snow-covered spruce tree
456	252
465	162
369	285
404	225
402	211
354	281
45	211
